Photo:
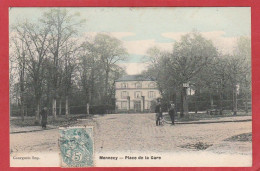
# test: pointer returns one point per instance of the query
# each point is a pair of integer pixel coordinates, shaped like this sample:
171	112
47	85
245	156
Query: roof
135	78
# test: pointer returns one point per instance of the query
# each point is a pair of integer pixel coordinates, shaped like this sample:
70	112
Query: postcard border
4	52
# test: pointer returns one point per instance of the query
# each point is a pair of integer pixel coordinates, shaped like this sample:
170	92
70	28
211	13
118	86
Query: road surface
137	132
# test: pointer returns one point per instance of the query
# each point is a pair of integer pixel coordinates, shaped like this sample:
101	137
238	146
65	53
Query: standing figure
158	111
44	116
172	112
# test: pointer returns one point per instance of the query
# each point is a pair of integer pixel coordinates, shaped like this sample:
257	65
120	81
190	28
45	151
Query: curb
207	122
18	132
179	123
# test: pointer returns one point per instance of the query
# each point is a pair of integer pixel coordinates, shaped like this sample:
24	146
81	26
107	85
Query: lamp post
184	104
236	92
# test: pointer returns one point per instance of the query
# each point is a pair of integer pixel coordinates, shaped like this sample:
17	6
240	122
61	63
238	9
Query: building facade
135	93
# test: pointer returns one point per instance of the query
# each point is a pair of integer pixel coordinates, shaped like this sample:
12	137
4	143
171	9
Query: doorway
137	106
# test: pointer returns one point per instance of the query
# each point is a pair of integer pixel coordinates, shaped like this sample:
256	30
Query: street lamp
237	87
184	107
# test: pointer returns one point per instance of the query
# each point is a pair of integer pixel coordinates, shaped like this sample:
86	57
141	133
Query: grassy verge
59	121
204	116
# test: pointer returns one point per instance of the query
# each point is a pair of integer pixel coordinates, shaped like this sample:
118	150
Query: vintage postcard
130	87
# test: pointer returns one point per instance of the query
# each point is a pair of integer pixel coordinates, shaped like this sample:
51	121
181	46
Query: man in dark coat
158	111
44	116
172	112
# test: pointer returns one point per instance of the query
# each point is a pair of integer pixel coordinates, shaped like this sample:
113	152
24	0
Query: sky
141	28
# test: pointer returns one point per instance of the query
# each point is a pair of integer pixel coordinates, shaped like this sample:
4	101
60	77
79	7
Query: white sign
185	84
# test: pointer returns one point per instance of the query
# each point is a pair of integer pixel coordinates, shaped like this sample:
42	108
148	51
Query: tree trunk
184	102
196	98
22	112
67	106
90	97
106	87
54	108
37	116
91	94
22	87
221	103
211	101
22	107
49	99
26	111
175	102
181	107
246	106
60	106
221	97
235	100
87	108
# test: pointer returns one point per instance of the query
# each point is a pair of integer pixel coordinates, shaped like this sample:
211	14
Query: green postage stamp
76	146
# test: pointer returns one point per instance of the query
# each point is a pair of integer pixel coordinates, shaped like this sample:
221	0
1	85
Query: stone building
135	93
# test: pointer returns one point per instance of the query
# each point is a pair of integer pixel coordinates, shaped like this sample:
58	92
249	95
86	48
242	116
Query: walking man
158	111
44	116
172	111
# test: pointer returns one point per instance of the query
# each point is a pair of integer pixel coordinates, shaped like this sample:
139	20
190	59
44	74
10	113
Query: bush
97	109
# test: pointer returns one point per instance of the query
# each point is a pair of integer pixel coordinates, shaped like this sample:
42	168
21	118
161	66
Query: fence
107	109
206	105
95	109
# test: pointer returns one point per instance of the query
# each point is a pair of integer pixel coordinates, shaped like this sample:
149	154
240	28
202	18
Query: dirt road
137	132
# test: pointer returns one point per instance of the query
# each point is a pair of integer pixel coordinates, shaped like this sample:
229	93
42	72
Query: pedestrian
44	116
172	112
158	111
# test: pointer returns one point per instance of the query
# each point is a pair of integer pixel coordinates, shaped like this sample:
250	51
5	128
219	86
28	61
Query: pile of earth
197	146
241	137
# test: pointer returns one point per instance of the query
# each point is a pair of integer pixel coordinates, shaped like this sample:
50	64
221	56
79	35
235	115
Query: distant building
135	93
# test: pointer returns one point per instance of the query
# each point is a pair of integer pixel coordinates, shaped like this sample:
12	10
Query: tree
239	65
34	38
98	70
243	50
110	50
52	63
213	80
189	57
88	66
19	53
159	68
63	26
70	64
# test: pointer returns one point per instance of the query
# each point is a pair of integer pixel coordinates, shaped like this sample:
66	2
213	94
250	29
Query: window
124	94
138	85
138	94
151	94
123	105
151	85
124	85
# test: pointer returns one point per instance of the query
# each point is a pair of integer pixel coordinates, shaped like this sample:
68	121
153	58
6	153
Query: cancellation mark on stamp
76	146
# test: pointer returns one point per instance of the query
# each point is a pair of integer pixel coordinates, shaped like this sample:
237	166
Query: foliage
54	64
213	77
